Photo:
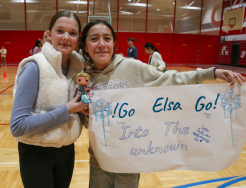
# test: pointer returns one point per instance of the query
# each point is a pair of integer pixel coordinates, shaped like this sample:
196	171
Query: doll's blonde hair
82	74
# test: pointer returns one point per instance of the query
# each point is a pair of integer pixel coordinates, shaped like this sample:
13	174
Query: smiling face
64	35
100	45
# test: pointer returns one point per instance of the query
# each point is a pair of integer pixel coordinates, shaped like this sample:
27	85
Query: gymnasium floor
9	166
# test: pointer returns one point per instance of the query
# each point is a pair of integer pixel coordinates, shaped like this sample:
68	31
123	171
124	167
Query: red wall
18	44
174	48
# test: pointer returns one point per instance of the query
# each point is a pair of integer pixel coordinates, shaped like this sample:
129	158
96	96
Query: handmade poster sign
193	127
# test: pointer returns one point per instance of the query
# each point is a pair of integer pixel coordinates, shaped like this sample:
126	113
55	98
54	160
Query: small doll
83	79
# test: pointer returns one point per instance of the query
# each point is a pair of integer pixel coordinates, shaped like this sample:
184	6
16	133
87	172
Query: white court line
244	152
18	163
7	163
81	161
239	187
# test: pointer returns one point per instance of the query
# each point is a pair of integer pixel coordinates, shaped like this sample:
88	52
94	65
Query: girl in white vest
155	59
110	71
44	119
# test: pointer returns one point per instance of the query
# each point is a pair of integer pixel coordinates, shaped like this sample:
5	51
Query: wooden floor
9	166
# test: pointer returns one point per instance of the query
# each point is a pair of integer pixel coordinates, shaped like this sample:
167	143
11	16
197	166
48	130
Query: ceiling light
22	1
125	12
167	15
158	9
194	8
138	4
185	18
174	3
129	0
120	7
79	12
77	2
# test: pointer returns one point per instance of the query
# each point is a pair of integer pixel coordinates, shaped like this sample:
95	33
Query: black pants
46	167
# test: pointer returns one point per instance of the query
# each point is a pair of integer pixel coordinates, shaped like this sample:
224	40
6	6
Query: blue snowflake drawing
102	111
233	102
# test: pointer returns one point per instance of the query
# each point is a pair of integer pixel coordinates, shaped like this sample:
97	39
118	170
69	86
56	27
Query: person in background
155	59
3	52
132	50
44	117
98	41
36	48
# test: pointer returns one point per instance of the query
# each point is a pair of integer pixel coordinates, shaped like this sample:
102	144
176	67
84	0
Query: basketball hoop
227	27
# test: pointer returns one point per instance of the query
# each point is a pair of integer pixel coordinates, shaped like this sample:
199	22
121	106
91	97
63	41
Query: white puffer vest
54	91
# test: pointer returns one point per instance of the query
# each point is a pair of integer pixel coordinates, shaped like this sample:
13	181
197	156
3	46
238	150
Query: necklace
66	66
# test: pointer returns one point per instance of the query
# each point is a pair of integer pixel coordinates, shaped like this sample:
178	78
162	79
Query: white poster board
193	127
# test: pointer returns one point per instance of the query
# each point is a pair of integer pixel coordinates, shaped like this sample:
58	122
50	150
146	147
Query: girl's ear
48	33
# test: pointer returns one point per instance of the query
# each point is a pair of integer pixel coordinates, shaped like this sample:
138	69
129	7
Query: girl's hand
75	105
229	76
88	90
85	109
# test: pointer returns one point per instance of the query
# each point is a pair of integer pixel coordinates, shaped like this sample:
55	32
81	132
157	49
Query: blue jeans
102	179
